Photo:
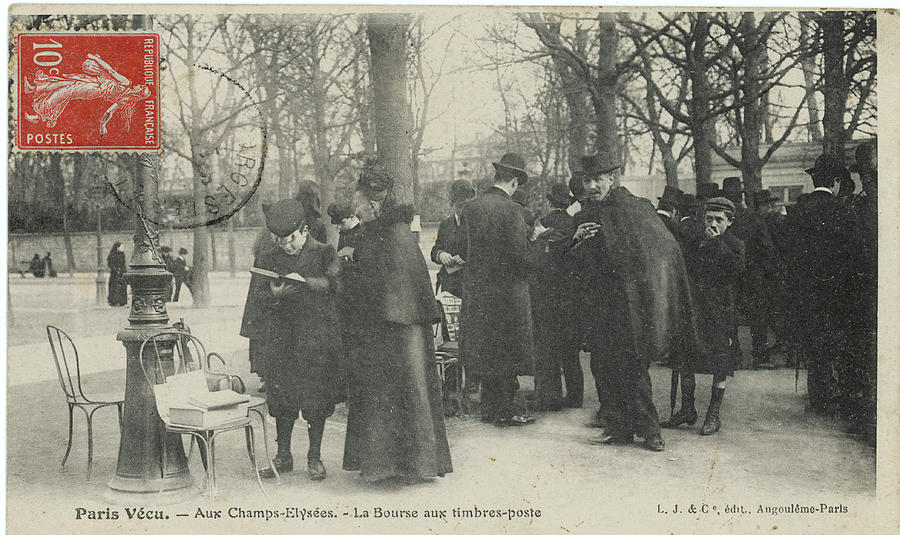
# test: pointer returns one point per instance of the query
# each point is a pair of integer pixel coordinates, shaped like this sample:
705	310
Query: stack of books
209	409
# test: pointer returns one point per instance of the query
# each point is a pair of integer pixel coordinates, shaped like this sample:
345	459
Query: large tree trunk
604	98
701	122
753	50
60	186
200	267
387	44
835	87
808	66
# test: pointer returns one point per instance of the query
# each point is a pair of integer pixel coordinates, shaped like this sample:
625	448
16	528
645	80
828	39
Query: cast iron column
140	468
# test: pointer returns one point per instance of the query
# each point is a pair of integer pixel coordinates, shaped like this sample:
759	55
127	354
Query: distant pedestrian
182	273
117	294
36	266
166	252
48	266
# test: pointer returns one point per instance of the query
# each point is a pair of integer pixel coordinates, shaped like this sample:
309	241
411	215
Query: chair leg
262	421
90	433
205	451
212	459
252	452
62	466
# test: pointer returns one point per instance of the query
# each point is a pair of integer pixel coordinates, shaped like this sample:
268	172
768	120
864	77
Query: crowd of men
606	272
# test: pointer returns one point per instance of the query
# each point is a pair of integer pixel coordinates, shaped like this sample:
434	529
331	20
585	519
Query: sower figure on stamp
295	327
639	294
495	318
715	264
395	423
449	241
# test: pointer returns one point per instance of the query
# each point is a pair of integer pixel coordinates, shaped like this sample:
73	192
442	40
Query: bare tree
388	34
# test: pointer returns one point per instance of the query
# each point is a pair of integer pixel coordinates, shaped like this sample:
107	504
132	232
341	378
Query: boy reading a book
290	311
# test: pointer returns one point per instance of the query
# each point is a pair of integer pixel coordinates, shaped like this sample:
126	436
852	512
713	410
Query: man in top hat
666	208
349	235
555	335
817	257
862	292
495	320
448	242
637	299
296	329
708	190
308	195
755	291
182	272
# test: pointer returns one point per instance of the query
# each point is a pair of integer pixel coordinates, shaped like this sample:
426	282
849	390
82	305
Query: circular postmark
214	152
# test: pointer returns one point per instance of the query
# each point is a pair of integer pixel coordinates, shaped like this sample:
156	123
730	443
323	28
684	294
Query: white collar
503	187
821	188
665	213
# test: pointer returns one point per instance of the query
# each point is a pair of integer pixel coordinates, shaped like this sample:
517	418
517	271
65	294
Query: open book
296	277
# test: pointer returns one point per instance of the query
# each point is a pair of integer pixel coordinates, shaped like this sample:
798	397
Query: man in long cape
637	303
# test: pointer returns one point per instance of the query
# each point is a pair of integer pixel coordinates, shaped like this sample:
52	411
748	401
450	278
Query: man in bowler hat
818	257
496	341
633	274
555	335
666	208
182	272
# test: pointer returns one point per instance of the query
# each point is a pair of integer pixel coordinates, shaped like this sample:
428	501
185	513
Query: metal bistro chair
66	359
258	406
447	352
181	347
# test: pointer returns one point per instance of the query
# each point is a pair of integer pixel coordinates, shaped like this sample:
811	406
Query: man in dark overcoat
181	272
448	243
666	206
640	300
495	318
555	334
754	291
817	256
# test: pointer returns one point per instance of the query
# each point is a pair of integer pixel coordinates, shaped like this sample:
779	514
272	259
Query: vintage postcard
451	270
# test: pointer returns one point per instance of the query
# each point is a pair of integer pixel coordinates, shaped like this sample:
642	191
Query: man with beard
639	298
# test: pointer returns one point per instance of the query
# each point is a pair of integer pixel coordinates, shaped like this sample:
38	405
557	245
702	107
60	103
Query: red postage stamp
88	91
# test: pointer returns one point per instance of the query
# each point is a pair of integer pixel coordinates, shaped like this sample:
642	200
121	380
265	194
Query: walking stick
673	391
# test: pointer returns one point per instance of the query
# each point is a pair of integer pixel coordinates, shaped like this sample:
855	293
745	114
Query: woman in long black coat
395	426
117	294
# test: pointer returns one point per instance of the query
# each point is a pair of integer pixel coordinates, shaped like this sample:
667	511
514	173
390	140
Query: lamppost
141	471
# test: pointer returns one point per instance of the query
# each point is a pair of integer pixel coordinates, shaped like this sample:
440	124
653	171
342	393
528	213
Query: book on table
209	409
293	277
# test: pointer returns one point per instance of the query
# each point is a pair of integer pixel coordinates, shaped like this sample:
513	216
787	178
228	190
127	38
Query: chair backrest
68	368
186	351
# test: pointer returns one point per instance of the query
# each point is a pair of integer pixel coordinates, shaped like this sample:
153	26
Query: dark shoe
282	464
515	421
683	416
655	443
604	439
316	469
711	423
